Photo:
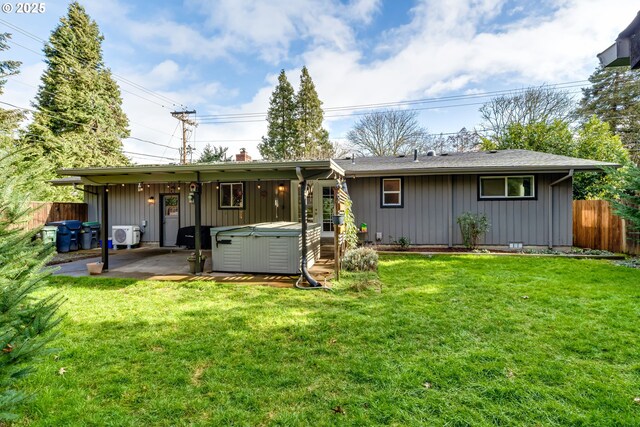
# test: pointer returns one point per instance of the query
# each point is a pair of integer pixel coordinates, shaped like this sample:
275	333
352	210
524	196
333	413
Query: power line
53	93
83	124
151	142
555	86
149	155
74	56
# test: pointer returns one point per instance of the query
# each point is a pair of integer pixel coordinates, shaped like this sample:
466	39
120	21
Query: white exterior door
170	219
323	206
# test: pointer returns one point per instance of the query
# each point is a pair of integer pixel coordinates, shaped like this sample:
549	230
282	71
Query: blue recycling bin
68	235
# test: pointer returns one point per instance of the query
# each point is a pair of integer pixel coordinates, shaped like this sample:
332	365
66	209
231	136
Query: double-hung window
507	187
391	195
231	195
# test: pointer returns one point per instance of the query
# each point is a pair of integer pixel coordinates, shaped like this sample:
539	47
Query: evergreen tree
614	97
9	119
311	136
79	120
214	154
281	140
26	319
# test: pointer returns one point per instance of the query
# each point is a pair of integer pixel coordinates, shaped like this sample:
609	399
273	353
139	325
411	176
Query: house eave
204	172
473	171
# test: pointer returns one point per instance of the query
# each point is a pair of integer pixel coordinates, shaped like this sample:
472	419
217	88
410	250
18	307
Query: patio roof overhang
202	172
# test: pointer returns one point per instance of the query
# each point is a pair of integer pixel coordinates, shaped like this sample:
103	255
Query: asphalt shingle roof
482	161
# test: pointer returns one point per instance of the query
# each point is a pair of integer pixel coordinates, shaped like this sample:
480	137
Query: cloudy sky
222	57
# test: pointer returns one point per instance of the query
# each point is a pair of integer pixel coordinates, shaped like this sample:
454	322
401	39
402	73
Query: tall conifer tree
79	119
313	139
614	97
9	119
281	140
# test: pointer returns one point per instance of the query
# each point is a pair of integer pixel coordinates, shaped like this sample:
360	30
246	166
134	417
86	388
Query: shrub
472	226
403	242
360	259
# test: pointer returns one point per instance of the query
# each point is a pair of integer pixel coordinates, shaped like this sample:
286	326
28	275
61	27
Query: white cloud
454	45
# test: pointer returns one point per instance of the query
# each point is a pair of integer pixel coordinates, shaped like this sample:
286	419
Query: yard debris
427	385
510	373
62	371
525	297
636	400
333	341
8	349
339	410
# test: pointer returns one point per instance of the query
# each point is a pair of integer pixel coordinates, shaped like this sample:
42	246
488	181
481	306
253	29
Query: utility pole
183	116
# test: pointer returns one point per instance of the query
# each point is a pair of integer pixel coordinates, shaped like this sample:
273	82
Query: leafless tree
541	104
463	141
387	133
460	142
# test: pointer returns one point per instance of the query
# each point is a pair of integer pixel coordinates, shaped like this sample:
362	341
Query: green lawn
497	340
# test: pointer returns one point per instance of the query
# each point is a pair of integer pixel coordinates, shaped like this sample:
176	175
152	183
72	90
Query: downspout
303	263
551	204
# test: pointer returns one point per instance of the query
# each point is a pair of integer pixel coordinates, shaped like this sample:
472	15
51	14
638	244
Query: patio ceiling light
151	200
140	186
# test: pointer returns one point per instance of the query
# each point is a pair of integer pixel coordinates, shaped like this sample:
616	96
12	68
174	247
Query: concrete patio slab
171	264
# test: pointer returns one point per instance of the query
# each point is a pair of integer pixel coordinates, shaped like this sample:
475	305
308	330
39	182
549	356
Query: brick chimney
243	156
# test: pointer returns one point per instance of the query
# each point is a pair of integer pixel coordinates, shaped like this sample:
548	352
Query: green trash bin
48	234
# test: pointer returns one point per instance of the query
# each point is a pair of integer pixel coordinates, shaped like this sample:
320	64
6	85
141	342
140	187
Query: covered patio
149	263
224	194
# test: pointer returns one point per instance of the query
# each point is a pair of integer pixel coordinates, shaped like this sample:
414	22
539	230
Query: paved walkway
171	264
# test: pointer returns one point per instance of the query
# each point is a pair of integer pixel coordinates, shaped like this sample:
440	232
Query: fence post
623	235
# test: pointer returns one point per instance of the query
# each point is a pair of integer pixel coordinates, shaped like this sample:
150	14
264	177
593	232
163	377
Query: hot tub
268	247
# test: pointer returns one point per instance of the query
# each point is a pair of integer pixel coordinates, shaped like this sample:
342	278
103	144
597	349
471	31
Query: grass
443	341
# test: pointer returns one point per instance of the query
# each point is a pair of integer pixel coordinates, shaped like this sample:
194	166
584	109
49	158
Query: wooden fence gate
596	227
44	212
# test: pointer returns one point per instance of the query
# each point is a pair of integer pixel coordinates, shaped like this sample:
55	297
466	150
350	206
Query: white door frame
318	185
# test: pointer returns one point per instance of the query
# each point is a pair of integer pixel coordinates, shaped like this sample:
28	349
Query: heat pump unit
125	235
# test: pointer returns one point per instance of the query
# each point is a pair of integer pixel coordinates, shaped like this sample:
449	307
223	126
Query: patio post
198	243
104	235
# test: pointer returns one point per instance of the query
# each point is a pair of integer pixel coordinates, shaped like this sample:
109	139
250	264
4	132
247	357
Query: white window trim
506	186
398	192
230	184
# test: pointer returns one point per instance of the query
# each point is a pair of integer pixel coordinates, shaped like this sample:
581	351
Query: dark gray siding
430	210
423	219
128	206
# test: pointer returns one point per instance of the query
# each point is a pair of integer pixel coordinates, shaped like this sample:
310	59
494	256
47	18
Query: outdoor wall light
281	187
151	200
259	186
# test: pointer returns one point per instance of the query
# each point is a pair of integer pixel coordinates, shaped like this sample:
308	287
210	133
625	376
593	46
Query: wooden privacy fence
596	227
44	212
